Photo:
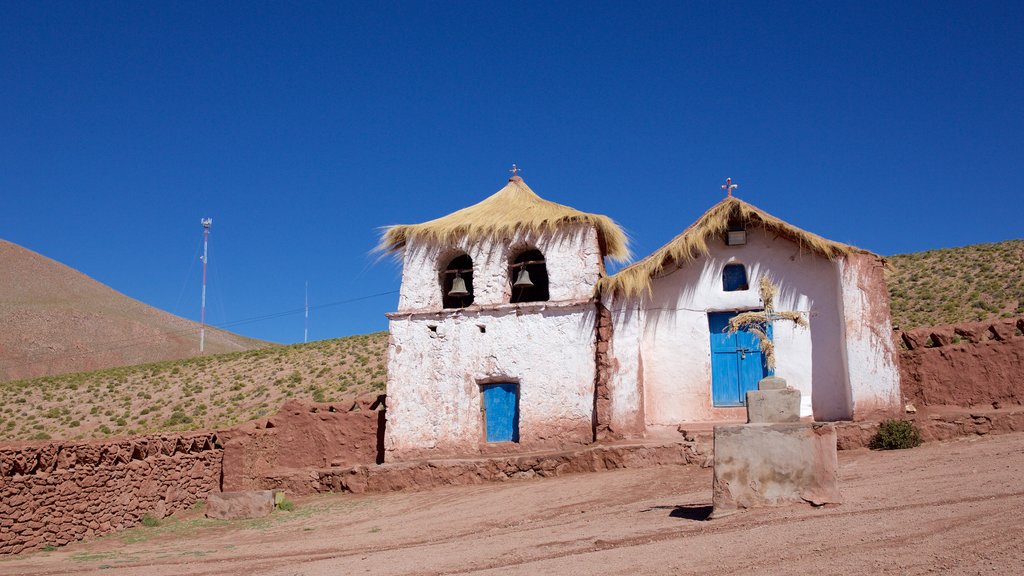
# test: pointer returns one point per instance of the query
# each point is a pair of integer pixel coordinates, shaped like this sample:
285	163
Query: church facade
510	337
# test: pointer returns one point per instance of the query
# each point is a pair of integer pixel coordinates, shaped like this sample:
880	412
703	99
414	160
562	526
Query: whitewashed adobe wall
438	358
872	356
671	376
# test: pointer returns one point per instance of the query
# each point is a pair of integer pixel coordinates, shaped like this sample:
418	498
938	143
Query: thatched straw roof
635	280
514	208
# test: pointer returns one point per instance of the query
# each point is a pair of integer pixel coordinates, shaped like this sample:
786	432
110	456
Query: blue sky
301	128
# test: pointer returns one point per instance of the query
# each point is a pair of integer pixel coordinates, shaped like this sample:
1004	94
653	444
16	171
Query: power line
138	341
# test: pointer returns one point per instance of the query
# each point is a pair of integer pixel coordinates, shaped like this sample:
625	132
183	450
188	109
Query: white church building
509	336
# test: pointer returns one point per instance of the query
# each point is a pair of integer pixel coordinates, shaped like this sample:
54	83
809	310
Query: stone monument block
773	406
773	465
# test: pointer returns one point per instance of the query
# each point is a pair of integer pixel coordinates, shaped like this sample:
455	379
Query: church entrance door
736	361
501	411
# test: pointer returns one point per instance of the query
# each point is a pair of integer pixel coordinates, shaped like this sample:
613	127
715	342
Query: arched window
734	277
457	282
529	276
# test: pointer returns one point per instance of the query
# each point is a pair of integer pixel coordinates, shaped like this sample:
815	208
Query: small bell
523	281
458	287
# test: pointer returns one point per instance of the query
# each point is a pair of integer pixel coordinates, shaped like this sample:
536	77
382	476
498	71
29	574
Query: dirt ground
952	508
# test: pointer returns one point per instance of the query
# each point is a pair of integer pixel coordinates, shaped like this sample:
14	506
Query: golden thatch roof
514	208
635	279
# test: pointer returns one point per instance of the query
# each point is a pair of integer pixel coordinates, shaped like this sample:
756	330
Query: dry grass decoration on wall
757	323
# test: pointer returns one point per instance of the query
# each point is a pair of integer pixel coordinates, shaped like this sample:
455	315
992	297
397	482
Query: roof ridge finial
729	187
515	174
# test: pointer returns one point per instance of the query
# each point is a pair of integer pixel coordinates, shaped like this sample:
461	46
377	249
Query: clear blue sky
301	128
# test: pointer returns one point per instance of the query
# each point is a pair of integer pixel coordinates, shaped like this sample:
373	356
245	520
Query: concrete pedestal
774	464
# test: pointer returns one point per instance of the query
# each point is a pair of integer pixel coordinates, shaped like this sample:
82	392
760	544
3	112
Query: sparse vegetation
216	391
896	435
150	521
978	282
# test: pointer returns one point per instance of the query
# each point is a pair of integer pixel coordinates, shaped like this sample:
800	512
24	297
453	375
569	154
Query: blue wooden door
736	361
501	412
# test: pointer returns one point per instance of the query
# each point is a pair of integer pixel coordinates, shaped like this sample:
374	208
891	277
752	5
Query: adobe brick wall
971	364
58	492
303	435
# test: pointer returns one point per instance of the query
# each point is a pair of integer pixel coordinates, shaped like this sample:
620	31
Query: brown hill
57	320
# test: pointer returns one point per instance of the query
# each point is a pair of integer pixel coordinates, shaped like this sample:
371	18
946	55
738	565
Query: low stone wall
58	492
973	364
432	473
935	427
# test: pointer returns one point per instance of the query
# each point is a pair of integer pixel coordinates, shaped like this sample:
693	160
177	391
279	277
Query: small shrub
150	521
178	417
286	505
896	435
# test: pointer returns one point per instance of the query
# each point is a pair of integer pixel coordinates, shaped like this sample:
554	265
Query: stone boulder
240	505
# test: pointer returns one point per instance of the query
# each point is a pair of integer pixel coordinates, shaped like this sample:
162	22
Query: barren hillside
57	320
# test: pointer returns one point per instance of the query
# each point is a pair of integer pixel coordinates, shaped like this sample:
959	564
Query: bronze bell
523	281
458	287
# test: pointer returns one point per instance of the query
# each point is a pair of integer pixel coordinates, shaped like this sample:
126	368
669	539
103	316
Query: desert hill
208	392
979	282
56	320
953	285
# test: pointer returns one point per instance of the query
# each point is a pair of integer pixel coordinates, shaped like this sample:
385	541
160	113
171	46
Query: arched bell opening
457	282
529	276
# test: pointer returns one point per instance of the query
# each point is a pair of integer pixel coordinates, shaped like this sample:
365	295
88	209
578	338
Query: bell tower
492	347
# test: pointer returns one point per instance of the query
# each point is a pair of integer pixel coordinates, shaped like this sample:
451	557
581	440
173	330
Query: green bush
150	521
896	435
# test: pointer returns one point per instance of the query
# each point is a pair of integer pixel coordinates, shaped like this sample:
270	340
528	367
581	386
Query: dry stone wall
59	492
973	364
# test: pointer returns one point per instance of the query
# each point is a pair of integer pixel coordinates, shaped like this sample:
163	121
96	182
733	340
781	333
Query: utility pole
305	333
206	222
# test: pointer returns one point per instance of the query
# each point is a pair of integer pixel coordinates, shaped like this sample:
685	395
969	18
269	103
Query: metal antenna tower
305	333
206	222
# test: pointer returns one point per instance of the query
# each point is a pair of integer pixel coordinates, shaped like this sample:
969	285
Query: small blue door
736	361
501	412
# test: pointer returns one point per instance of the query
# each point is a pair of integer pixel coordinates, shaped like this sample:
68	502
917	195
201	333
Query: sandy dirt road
947	508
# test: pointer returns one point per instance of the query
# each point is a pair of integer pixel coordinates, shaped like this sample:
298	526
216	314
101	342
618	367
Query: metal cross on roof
515	170
729	186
